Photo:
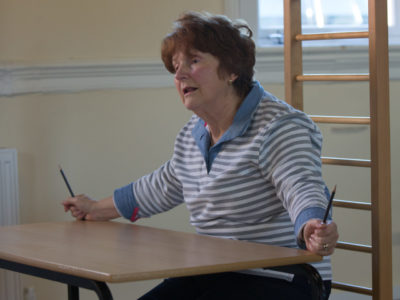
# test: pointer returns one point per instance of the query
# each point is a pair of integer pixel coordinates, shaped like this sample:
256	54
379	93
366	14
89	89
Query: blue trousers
232	286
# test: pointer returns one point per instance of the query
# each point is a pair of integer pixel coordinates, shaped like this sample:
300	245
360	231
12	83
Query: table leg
73	292
100	288
73	282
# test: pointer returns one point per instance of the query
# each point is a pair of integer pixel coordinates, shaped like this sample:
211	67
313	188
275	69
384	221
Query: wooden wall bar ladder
379	163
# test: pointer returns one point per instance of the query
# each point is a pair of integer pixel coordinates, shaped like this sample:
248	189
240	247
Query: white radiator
10	282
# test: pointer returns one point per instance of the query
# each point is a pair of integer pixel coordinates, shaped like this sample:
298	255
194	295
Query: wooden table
91	254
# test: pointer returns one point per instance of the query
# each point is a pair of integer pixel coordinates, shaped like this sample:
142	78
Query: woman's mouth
188	90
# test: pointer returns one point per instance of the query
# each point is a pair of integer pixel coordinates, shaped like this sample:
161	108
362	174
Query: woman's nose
181	72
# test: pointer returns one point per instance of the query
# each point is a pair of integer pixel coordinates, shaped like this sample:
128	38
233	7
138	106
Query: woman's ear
232	77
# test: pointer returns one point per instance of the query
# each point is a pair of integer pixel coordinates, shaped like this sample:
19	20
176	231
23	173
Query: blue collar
239	126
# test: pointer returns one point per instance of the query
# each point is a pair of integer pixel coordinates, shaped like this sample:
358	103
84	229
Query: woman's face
197	80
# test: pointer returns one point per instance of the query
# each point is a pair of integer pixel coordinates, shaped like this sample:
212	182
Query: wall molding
70	78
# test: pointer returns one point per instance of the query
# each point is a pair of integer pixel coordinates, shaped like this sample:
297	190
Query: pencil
328	208
66	181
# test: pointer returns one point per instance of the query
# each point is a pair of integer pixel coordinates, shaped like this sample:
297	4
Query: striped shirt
261	182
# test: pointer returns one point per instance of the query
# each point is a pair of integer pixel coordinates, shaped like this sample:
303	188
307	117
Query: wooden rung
340	119
332	36
352	204
346	162
351	288
330	77
354	247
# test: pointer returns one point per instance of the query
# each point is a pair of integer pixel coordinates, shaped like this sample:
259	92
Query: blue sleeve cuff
125	202
303	218
308	214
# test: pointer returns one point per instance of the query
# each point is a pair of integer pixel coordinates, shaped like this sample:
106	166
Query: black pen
66	181
328	208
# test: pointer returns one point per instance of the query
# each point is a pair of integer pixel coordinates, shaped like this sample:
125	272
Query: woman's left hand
320	238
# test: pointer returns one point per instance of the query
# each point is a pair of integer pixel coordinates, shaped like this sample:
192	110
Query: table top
121	252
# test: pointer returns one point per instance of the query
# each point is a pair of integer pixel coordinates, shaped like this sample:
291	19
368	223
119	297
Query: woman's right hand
84	208
80	207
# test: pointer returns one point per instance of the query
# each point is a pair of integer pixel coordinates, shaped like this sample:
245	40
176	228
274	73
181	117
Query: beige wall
58	30
105	139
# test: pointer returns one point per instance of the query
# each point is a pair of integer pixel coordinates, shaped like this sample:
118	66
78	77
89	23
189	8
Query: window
317	16
265	17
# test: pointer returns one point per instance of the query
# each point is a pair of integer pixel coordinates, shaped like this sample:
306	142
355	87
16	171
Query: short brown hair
229	41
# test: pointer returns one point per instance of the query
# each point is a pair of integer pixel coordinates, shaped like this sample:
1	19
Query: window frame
348	59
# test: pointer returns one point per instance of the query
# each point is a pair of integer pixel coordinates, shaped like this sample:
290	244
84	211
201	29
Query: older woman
246	165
